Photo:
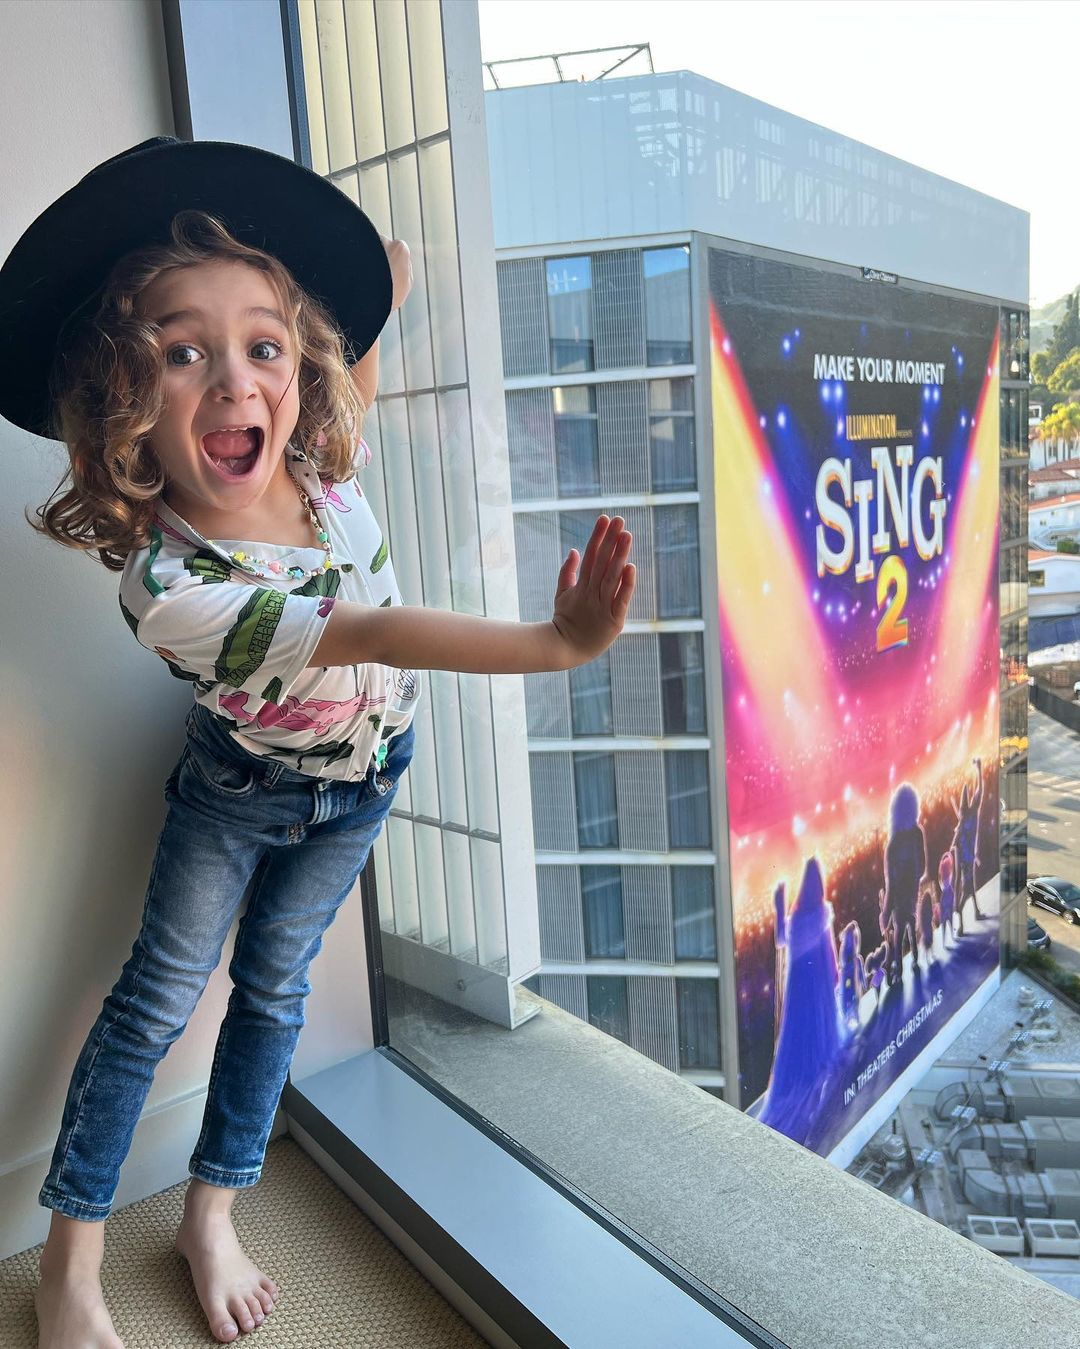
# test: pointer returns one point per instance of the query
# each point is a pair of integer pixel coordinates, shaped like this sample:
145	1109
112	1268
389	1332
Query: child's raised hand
591	605
400	259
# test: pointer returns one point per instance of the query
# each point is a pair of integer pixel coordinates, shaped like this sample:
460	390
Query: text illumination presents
855	464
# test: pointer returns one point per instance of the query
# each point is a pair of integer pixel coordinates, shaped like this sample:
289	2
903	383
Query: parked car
1057	895
1038	938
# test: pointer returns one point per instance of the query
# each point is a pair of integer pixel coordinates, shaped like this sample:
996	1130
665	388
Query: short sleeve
244	636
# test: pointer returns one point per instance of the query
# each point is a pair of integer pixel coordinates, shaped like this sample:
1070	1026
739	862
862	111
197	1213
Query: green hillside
1043	322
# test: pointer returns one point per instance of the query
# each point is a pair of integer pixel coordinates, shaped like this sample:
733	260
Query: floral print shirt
244	643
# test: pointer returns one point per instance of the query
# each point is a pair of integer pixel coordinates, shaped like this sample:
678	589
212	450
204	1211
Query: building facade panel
558	890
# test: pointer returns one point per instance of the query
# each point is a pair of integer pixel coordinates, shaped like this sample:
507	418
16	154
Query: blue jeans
234	820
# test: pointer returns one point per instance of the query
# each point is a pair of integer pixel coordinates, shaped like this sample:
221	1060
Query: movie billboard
855	442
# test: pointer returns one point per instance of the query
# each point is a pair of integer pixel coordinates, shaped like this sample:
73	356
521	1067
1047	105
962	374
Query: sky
962	88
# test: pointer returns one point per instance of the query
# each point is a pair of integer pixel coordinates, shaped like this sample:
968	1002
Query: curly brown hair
107	391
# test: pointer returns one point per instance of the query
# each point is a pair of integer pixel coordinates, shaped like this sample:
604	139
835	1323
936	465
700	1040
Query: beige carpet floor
342	1283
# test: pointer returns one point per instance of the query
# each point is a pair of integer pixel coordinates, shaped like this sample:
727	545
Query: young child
190	347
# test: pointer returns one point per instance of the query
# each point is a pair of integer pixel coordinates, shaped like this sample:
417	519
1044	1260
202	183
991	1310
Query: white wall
1060	592
1066	483
1054	517
92	724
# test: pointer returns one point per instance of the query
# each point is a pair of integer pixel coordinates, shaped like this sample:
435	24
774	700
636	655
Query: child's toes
256	1309
270	1286
223	1324
242	1313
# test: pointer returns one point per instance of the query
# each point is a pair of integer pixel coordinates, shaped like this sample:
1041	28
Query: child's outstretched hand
590	606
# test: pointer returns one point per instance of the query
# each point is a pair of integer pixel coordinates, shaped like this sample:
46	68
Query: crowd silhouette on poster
821	980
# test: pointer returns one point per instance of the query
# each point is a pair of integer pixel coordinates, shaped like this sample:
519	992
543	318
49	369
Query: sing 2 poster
855	445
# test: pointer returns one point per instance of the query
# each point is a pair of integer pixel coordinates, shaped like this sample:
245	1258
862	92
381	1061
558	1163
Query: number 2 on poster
892	630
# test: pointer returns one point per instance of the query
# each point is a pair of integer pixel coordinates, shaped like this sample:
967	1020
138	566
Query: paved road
1054	822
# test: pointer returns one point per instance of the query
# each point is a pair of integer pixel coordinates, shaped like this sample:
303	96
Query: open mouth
234	454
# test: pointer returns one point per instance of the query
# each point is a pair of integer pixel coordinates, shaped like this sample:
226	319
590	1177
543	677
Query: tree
1062	424
1068	546
1066	333
1041	369
1066	375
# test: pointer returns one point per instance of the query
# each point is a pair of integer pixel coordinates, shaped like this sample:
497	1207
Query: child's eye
186	346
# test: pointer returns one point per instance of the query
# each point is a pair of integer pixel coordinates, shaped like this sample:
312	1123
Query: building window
678	572
607	1004
699	1023
1014	725
1014	645
1014	496
1036	579
1014	793
1014	344
601	898
682	682
694	912
577	454
590	697
569	285
686	776
667	305
671	435
594	783
1014	421
1013	578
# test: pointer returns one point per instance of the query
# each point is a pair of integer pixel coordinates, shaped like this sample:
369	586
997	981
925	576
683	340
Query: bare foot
71	1311
233	1292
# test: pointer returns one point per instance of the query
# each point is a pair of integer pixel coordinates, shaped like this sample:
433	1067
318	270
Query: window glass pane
569	282
441	262
1014	867
415	327
673	454
365	79
1014	344
699	1023
694	911
309	47
607	1004
601	898
590	697
577	451
594	783
671	395
1014	490
682	676
686	773
1014	794
429	82
393	46
569	399
1014	643
677	569
1014	725
667	305
1012	573
336	93
575	530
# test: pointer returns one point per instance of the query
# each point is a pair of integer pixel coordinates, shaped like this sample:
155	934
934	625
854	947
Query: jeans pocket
217	773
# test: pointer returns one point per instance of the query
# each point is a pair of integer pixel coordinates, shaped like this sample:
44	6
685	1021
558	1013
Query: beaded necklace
251	563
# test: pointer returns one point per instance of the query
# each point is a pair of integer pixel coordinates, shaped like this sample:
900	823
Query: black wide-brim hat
53	277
